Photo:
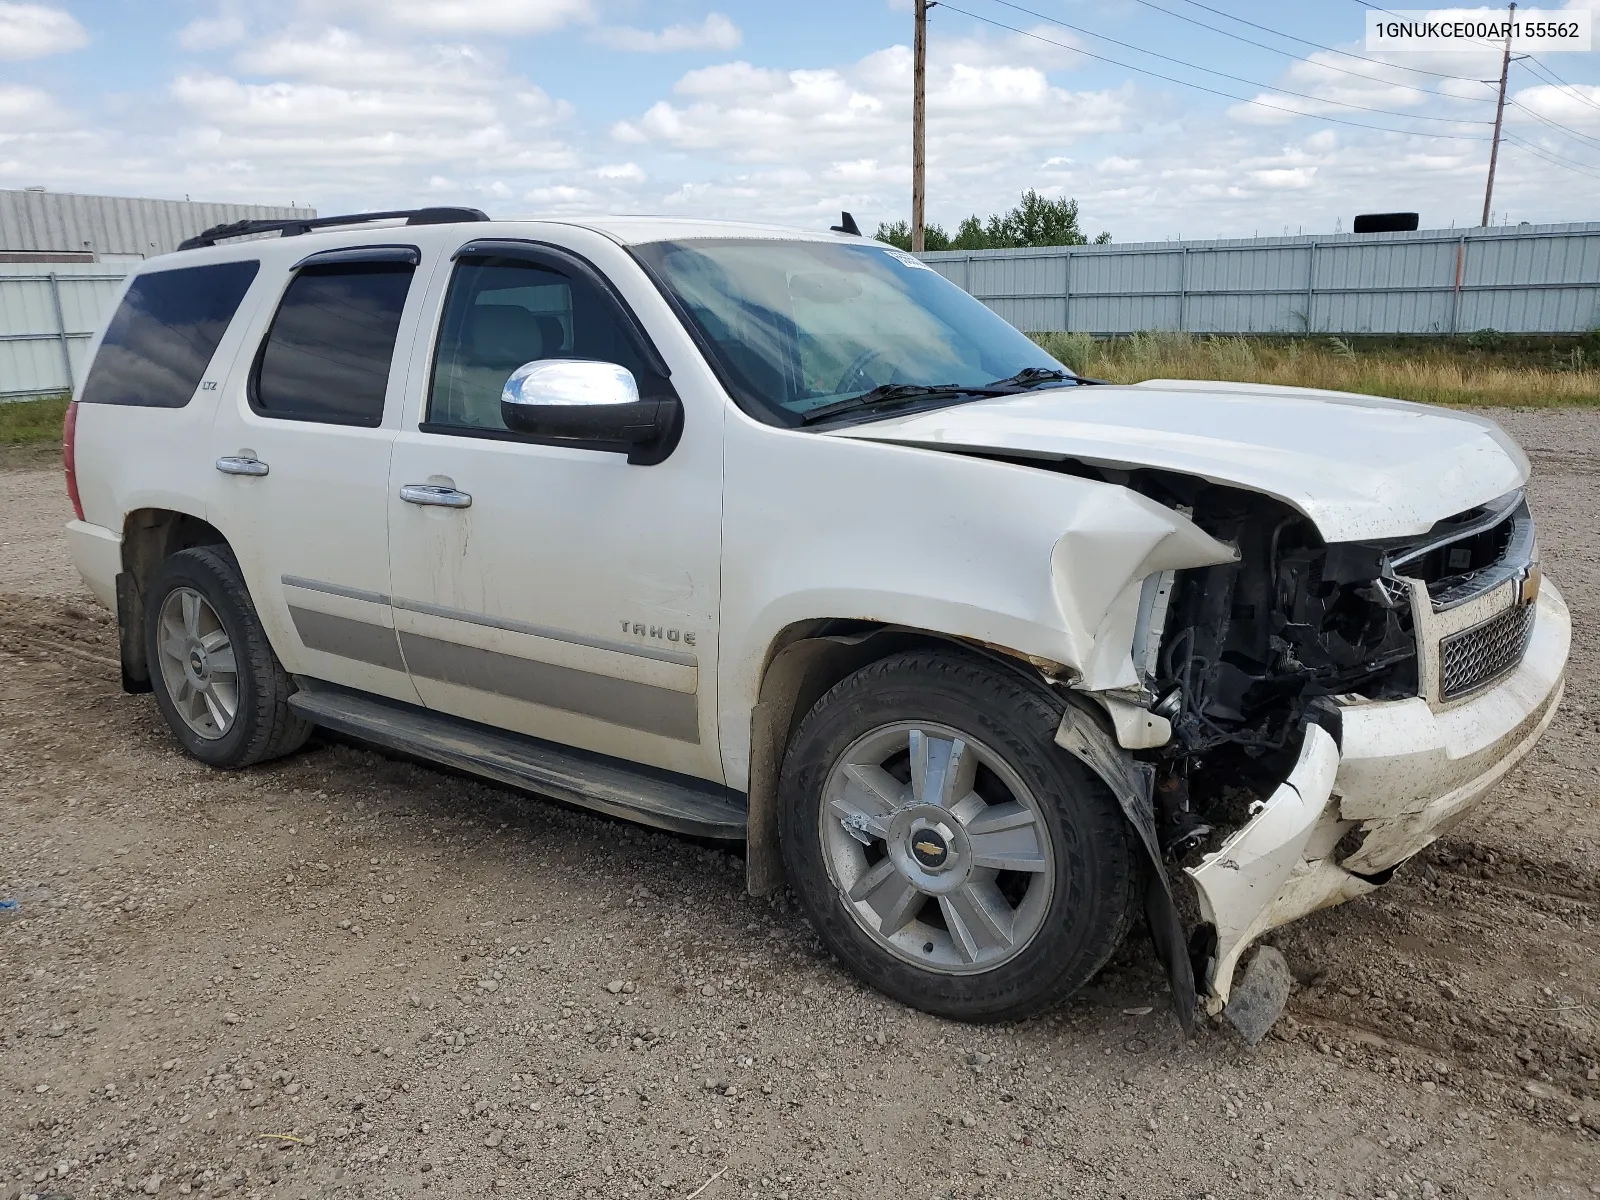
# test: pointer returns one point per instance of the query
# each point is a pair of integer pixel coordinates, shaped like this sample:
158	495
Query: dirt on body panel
349	975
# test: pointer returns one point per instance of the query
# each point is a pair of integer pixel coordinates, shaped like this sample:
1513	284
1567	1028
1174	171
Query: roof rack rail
292	227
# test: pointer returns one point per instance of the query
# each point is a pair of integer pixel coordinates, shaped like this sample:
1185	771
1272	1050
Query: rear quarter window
163	334
327	355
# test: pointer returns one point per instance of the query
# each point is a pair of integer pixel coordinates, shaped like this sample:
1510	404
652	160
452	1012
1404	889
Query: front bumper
1406	772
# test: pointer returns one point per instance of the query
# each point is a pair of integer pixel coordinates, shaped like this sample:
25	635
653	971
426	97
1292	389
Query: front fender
1043	564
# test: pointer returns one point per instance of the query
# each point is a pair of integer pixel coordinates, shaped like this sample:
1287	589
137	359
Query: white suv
773	536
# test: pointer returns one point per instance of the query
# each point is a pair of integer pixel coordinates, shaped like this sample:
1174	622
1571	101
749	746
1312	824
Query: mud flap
1133	784
130	635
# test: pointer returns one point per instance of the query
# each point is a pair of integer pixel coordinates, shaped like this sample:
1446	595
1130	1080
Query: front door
301	445
552	589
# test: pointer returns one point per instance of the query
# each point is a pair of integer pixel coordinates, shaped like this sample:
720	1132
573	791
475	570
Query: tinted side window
163	334
327	355
501	313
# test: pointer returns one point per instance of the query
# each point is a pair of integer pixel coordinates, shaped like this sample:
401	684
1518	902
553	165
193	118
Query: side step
649	796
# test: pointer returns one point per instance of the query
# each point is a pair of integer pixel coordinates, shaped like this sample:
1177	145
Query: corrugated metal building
1517	279
35	223
62	258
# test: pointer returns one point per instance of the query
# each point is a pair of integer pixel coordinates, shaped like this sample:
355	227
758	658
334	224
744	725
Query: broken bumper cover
1405	772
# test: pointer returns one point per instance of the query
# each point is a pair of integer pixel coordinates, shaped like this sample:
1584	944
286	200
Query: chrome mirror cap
570	382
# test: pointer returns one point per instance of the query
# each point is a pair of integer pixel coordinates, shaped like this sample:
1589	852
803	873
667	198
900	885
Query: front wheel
945	848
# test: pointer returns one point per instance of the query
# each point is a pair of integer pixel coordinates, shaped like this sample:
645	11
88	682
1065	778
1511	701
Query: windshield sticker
910	260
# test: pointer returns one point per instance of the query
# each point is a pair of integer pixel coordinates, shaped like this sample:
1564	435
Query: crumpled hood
1358	466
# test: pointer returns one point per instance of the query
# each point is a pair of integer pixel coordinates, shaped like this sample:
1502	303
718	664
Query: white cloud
1278	178
212	33
343	58
365	103
716	32
746	113
1577	105
493	17
24	107
37	30
621	173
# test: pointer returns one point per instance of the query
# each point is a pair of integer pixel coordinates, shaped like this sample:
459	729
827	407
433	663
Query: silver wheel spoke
214	708
942	769
172	645
869	795
191	614
979	919
1008	838
890	895
899	838
197	663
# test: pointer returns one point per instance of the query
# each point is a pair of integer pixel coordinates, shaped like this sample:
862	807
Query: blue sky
786	112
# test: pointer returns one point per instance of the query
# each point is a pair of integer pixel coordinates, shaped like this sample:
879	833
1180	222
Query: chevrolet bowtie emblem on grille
1530	584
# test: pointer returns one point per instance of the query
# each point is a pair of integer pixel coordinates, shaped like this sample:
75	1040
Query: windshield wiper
1032	377
898	393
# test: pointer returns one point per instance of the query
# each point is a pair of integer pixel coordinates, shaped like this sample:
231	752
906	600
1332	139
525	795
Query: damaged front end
1247	670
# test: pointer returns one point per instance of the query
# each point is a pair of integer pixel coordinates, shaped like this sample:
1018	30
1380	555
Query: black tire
1097	873
263	726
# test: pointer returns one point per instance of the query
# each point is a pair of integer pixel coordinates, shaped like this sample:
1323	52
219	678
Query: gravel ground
348	975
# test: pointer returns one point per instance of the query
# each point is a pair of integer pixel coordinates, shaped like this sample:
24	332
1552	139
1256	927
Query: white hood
1358	466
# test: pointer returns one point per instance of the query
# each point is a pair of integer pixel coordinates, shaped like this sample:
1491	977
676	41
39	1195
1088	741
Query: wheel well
806	660
149	537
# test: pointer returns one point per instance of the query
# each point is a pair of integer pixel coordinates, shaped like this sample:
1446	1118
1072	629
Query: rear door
301	449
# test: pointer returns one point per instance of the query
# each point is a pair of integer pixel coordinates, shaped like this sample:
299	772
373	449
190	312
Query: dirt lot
346	975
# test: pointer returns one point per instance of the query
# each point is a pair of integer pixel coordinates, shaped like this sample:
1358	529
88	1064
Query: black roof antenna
847	224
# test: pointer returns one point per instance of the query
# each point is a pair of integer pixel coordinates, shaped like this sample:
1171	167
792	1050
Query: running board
646	795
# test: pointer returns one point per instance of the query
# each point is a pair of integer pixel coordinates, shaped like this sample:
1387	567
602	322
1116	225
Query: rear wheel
945	848
217	681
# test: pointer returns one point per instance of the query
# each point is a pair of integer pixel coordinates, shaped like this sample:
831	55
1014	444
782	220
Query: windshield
802	325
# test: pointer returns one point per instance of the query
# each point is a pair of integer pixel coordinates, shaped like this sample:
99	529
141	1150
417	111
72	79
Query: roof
635	230
624	230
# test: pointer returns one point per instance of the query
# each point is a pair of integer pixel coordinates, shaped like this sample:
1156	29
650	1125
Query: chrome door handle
432	493
235	465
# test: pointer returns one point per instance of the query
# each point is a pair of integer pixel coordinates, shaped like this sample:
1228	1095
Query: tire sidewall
202	570
1017	721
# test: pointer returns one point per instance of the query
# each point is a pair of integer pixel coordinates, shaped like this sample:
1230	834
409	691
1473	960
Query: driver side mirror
593	406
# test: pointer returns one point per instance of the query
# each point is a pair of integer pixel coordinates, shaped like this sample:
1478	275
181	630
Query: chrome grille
1474	657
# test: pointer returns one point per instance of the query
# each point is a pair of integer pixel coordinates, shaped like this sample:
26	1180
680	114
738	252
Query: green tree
1035	221
898	234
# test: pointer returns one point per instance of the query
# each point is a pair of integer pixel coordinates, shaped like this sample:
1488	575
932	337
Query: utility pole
919	125
1499	116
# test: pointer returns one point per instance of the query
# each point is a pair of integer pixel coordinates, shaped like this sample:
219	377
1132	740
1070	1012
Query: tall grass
25	422
1441	372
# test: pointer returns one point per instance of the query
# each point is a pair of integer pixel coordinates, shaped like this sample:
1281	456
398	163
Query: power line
1387	112
1551	157
1544	73
1556	125
1200	87
1239	37
1317	45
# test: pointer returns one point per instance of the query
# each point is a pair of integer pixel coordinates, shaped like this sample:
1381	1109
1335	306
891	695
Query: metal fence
1516	279
63	257
1523	279
48	313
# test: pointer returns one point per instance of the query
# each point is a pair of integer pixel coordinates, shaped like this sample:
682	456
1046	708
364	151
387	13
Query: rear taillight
69	457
